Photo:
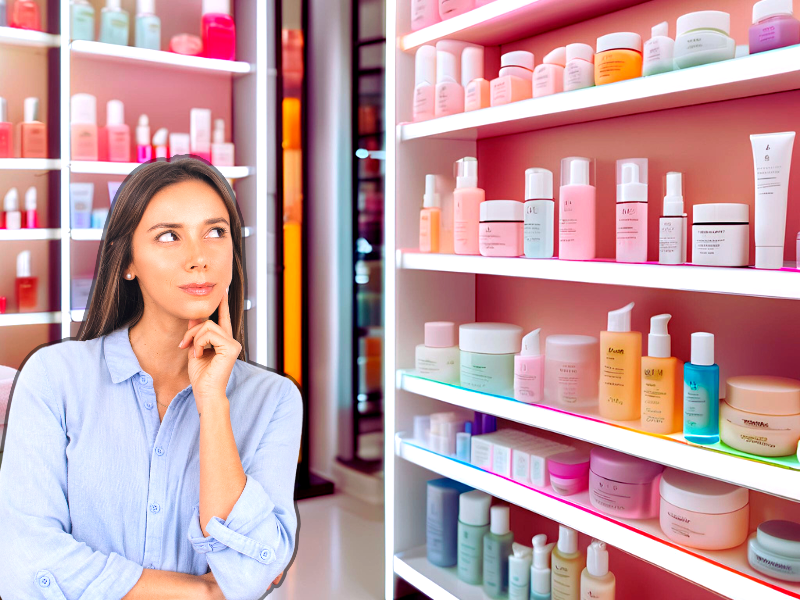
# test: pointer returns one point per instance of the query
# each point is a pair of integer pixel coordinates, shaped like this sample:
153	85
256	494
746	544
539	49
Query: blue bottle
82	16
114	24
148	25
701	392
442	521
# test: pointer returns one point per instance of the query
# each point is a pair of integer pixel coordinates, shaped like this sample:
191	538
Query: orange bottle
32	133
619	57
429	217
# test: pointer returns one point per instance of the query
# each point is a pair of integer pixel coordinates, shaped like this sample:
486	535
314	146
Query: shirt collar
120	358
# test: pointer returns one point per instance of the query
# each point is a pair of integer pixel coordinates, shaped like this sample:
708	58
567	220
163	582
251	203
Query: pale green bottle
496	550
473	523
82	20
114	24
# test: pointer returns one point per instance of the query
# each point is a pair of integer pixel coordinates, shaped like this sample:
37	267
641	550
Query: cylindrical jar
569	472
571	370
775	550
721	235
619	57
501	230
703	37
774	26
487	356
438	357
624	486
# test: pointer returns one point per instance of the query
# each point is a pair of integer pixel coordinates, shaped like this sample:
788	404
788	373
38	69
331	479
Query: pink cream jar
501	228
624	486
569	472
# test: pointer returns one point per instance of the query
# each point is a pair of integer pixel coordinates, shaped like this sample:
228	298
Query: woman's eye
221	231
160	237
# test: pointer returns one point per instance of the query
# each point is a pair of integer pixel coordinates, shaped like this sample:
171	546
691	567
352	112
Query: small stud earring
129	276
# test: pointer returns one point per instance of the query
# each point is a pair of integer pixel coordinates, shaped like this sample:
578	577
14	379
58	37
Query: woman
143	460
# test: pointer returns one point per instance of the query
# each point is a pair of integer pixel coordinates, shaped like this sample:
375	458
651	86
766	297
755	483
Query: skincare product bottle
222	153
83	128
160	143
658	51
464	443
81	196
200	132
597	582
519	572
31	218
3	23
619	57
701	392
441	517
620	367
540	569
576	218
477	94
424	83
438	357
774	26
515	81
6	132
429	217
148	25
26	285
529	370
449	93
32	133
119	134
703	37
721	234
539	213
662	381
467	199
501	228
26	15
496	548
82	20
424	13
672	227
144	151
99	218
567	564
218	30
452	8
114	23
11	207
579	72
548	77
473	524
632	210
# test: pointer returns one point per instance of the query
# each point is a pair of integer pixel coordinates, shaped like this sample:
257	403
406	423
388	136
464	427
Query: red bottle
6	132
218	30
26	15
31	220
26	288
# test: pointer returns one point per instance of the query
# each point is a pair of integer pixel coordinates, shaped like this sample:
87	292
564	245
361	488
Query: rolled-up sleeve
39	558
247	551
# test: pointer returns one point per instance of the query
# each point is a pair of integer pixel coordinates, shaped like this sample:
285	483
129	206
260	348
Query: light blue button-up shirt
94	487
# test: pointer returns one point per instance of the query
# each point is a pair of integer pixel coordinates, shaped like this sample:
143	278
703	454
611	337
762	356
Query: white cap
471	64
518	58
3	110
31	109
581	51
597	559
24	264
217	6
115	113
11	201
567	540
218	137
631	180
466	172
577	172
673	200
446	67
160	137
620	319
473	508
662	29
83	108
538	184
704	19
721	212
30	198
556	57
425	65
431	197
499	520
502	210
521	550
702	348
540	570
113	4
530	344
769	257
490	338
143	131
625	39
659	343
145	7
770	8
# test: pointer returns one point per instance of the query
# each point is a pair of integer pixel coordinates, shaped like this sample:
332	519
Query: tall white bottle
597	582
539	213
672	225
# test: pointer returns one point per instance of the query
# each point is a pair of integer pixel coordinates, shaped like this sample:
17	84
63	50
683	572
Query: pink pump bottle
467	199
218	30
577	210
529	370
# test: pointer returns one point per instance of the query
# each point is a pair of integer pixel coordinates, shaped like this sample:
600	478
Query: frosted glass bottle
82	20
148	25
567	564
496	549
473	524
577	210
701	392
114	24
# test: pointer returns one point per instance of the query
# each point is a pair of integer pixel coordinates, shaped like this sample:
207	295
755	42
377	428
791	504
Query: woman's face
183	239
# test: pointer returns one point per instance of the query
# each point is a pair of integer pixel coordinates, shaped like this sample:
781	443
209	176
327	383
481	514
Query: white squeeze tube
772	160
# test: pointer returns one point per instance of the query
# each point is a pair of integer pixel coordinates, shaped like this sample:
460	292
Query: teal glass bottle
701	392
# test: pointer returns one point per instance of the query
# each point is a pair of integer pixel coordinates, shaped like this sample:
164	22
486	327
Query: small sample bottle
425	83
515	81
496	549
26	285
632	210
774	26
31	218
701	392
577	206
467	199
6	132
439	357
620	368
539	213
32	133
540	569
82	20
430	217
473	524
529	370
597	582
83	127
26	15
119	134
658	51
11	207
218	30
672	226
144	151
452	8
222	152
548	77
519	572
449	92
619	57
567	564
148	25
114	23
160	143
424	13
579	72
477	94
662	381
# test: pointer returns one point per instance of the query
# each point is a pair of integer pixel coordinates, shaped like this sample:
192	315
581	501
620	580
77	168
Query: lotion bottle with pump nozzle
540	569
620	367
539	213
519	572
577	210
429	217
529	370
672	226
597	582
662	381
567	564
632	210
467	199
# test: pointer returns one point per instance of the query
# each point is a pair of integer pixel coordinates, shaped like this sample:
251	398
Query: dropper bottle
429	217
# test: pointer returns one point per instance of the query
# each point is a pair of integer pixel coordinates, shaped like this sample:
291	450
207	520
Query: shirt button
154	508
143	379
265	555
44	581
148	405
159	450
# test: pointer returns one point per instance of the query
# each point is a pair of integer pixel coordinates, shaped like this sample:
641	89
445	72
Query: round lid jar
624	40
721	212
571	348
699	494
780	537
764	395
493	211
518	58
714	20
623	468
439	334
490	338
569	465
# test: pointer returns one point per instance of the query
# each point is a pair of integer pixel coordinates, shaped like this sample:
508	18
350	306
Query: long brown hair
120	301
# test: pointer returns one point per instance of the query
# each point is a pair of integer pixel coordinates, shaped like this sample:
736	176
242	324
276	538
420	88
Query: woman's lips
195	290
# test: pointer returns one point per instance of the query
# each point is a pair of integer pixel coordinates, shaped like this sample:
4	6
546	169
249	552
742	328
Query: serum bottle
32	132
31	218
540	570
429	217
539	213
577	201
632	210
529	370
473	524
662	381
424	83
82	20
568	563
26	285
11	207
218	30
467	199
672	226
658	51
597	582
496	549
701	392
620	367
449	93
26	15
222	153
144	151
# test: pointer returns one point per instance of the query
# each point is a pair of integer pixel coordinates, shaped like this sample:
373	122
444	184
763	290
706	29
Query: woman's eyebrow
180	225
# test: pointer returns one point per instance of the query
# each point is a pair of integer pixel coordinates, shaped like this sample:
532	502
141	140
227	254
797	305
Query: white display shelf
504	21
40	318
759	74
120	168
39	233
716	280
95	234
77	315
435	582
725	572
160	58
672	451
11	36
30	164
